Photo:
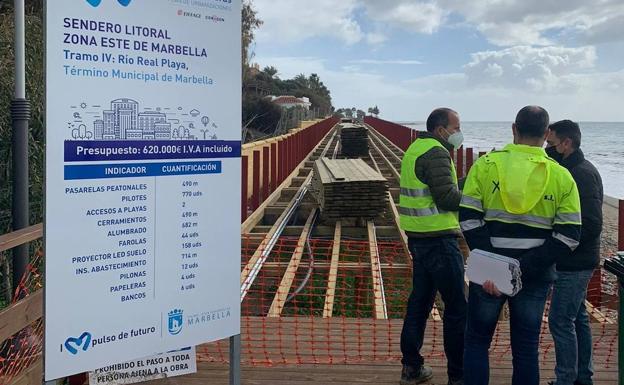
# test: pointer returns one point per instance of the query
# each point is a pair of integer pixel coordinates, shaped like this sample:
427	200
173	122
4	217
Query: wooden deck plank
332	278
279	301
381	312
344	375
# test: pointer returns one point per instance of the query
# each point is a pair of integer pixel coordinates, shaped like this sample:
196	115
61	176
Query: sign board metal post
235	360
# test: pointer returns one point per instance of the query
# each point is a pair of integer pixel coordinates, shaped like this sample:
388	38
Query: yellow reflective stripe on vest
523	219
516	243
573	218
429	211
471	224
471	202
415	192
571	243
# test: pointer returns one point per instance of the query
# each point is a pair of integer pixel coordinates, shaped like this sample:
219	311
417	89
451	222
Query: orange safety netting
23	349
358	329
362	323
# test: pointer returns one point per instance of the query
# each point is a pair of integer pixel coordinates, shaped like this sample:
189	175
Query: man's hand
491	289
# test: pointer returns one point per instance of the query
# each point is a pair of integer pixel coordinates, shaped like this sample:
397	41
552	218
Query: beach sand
610	226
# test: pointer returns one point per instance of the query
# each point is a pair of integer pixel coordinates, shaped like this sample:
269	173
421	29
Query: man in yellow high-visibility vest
429	201
520	203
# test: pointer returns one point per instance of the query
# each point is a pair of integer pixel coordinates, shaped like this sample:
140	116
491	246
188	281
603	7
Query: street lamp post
20	115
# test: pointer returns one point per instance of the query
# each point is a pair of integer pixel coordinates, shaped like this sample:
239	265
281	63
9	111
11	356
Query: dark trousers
438	266
526	310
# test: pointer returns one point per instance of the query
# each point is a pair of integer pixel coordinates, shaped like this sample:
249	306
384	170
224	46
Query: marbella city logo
74	345
175	321
96	3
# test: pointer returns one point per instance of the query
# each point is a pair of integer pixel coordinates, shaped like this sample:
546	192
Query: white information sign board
166	365
142	218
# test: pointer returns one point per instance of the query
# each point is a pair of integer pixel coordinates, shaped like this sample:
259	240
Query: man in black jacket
569	323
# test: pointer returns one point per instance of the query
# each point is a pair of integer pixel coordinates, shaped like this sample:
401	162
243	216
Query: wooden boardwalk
284	357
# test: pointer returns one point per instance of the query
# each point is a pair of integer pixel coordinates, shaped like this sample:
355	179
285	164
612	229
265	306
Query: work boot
413	376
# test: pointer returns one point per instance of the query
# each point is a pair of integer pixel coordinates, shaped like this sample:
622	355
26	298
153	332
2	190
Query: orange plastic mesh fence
24	348
345	312
364	324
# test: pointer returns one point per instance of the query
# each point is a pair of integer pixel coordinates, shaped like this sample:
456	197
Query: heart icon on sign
95	3
72	344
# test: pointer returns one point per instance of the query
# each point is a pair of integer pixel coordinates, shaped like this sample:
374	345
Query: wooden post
265	172
469	159
273	166
244	192
594	289
255	195
460	162
281	161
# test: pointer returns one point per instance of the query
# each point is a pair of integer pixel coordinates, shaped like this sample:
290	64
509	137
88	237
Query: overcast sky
484	58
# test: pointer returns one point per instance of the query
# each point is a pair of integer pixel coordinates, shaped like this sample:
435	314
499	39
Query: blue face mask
456	140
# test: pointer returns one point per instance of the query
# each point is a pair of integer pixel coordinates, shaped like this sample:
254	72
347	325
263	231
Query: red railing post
265	173
289	154
594	289
299	150
244	187
273	166
460	162
469	159
255	195
282	161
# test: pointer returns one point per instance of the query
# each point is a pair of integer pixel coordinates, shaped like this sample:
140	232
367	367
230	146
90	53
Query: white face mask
456	140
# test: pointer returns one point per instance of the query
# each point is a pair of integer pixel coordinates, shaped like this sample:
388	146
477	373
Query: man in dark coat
568	319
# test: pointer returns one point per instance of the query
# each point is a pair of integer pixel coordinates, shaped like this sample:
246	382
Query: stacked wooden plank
348	188
353	140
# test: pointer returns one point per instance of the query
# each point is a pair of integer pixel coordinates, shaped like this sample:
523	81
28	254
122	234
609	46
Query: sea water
602	143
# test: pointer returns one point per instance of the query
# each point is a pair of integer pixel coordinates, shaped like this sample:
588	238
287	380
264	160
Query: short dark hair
568	129
532	122
439	117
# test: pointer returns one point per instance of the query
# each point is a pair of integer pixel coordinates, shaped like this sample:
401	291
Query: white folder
503	271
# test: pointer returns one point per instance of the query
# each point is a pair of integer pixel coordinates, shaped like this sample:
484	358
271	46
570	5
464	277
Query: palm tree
270	71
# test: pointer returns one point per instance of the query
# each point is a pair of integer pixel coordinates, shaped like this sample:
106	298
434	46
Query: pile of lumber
348	188
353	140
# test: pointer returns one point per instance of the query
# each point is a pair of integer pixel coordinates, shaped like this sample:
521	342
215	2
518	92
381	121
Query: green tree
249	23
270	71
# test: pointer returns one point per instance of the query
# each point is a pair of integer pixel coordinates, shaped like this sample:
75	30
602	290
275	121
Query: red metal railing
271	164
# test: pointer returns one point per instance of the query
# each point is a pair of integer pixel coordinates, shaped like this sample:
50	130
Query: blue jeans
526	311
438	266
569	326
